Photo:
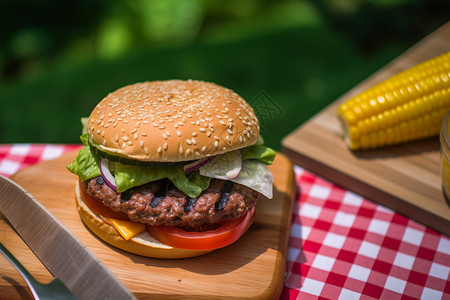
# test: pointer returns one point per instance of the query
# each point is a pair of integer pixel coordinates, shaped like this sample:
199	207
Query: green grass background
301	54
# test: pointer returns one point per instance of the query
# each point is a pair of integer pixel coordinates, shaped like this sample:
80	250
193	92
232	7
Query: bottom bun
142	244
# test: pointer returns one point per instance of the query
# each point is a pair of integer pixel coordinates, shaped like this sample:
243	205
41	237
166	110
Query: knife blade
59	250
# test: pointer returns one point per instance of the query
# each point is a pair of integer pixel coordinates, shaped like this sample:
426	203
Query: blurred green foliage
58	59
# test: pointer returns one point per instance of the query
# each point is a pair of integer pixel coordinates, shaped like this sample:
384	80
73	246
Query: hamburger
171	169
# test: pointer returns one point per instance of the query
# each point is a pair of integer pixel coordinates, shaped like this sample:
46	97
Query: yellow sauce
445	157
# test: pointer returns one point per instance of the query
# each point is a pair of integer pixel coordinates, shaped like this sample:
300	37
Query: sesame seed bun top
174	120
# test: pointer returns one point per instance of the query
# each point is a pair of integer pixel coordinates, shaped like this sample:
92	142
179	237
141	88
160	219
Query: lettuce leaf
201	181
253	173
127	176
256	176
225	166
85	165
259	152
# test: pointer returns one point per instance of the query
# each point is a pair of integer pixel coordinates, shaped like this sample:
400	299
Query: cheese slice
127	229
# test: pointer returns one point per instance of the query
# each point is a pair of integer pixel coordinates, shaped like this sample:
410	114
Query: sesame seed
141	143
180	149
123	129
223	123
164	136
124	145
196	153
133	131
218	117
162	127
130	143
98	131
194	141
188	151
188	141
104	142
202	129
224	148
208	133
216	144
216	137
143	134
240	139
159	150
203	148
230	131
155	124
178	133
146	122
194	133
165	146
125	138
146	150
228	138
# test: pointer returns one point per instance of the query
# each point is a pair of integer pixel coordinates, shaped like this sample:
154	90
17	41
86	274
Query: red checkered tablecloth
342	246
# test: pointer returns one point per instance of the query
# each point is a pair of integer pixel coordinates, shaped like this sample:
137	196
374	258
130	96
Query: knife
59	250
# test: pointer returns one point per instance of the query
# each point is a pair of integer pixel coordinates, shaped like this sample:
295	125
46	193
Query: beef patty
161	203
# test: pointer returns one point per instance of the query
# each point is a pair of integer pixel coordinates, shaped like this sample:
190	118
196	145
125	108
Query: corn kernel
408	106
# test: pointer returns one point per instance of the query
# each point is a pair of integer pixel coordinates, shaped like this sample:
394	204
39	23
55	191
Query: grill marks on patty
161	203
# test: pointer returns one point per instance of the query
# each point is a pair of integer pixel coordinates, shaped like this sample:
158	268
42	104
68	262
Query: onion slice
197	164
106	173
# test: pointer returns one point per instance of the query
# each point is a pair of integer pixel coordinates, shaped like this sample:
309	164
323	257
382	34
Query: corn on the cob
408	106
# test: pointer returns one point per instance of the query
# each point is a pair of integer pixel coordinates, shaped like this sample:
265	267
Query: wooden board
251	268
405	178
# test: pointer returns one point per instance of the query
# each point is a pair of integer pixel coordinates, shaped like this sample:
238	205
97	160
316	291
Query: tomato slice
99	208
203	240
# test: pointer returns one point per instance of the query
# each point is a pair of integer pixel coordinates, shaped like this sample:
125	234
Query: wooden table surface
405	178
252	267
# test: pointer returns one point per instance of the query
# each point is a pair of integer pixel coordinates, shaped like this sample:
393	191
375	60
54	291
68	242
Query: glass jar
445	157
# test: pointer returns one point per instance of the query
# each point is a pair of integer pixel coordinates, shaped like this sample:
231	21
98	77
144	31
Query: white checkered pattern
345	247
342	246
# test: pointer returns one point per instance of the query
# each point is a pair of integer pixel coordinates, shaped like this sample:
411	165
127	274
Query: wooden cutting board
251	268
405	178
